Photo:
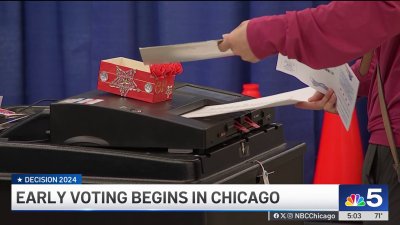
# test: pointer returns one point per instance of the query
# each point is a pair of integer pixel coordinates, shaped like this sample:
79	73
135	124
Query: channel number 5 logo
374	199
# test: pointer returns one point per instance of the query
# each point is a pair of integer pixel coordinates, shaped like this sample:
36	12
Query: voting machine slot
192	106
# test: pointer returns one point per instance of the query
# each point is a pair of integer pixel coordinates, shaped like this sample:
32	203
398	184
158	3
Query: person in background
331	35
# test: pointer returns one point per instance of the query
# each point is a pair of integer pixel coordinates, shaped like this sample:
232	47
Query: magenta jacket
339	32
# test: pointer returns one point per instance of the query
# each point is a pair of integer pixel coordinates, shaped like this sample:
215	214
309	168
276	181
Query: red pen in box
133	79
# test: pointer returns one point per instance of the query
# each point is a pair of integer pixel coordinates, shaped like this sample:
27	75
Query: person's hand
320	101
238	43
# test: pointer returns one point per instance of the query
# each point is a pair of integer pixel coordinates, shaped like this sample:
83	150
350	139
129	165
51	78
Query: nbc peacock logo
355	200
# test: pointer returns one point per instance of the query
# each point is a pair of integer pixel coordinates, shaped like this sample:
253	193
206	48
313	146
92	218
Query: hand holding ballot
237	42
340	79
320	101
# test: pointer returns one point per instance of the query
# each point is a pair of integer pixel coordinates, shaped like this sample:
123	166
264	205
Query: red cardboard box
133	79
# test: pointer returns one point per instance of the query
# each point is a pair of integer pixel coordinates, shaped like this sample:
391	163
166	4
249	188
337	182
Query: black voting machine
121	140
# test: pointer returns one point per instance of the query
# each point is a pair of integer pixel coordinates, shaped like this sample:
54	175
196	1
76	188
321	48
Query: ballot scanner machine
122	140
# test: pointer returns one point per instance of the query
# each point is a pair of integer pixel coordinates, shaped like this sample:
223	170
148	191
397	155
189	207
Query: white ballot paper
287	98
183	52
341	79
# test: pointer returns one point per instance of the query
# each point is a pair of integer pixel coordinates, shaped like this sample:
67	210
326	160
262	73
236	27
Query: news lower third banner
65	192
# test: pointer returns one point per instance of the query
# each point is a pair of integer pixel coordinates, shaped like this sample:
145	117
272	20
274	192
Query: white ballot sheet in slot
287	98
341	79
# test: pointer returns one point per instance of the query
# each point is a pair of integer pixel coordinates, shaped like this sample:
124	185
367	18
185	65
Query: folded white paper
341	79
287	98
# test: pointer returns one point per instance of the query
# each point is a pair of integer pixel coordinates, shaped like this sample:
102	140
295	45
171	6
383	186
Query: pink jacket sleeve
328	35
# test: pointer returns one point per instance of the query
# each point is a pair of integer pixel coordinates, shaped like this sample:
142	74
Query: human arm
321	37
